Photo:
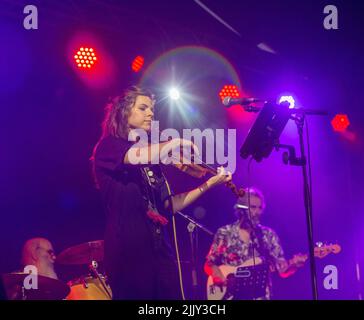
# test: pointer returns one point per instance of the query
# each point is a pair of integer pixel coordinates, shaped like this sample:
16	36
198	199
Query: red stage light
229	91
340	122
83	57
137	64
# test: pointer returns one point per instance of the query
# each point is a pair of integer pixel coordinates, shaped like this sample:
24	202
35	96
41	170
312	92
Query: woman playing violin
139	260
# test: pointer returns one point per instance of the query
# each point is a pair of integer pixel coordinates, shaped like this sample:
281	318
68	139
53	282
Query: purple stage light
288	99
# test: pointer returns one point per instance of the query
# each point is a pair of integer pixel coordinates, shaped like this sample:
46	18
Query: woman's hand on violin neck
221	177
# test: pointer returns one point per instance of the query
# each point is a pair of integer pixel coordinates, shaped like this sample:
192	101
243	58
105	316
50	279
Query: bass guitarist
246	243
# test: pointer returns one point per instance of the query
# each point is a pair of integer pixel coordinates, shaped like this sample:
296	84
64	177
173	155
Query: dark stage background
51	114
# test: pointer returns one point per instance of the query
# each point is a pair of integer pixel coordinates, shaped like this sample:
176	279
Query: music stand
264	134
247	283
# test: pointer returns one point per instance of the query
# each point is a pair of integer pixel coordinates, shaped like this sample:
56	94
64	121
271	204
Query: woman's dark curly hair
117	112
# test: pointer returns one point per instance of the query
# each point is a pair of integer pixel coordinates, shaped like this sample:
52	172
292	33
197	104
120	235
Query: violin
200	170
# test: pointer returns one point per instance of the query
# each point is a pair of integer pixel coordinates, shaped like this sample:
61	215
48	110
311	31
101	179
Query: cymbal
83	253
47	288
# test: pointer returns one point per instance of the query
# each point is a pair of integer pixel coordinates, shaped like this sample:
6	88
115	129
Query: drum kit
92	286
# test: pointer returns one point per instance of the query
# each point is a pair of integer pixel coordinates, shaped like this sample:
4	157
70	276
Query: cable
309	162
176	245
261	249
178	258
249	212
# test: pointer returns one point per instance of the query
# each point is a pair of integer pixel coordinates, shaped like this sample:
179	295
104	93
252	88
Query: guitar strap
157	191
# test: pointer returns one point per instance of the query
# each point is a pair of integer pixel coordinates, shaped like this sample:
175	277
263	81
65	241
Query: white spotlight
174	94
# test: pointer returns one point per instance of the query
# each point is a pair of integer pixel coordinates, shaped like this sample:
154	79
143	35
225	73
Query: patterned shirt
229	249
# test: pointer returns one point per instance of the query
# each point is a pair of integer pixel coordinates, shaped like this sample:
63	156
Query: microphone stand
192	228
308	205
93	269
193	241
298	115
291	158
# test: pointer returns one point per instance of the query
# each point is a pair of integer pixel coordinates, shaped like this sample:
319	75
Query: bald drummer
39	252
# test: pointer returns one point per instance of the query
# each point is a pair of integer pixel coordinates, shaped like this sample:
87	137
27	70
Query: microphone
241	207
241	211
229	101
